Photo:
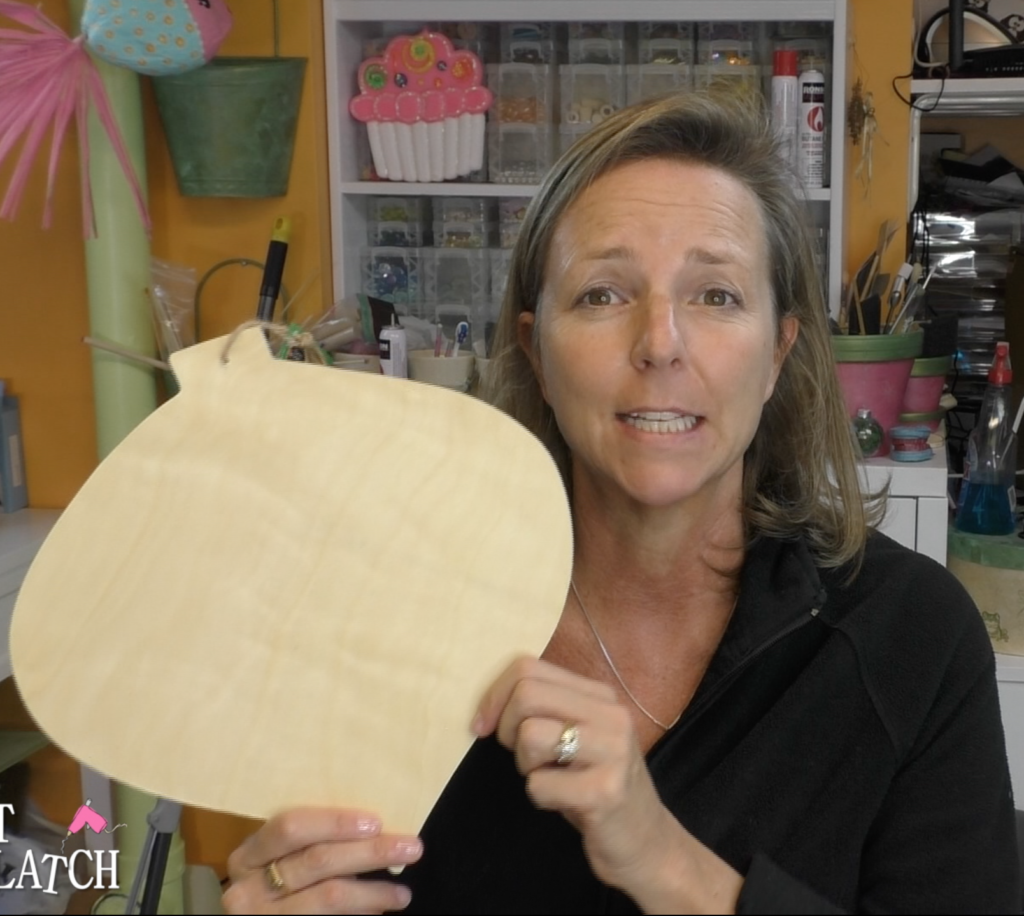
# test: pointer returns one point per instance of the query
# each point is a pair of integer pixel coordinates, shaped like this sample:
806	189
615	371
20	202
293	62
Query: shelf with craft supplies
997	97
551	70
892	358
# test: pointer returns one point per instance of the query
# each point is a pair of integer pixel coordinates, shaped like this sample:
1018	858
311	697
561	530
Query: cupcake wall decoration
423	105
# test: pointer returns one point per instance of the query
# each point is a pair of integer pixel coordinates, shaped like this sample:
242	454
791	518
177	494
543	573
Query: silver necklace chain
615	671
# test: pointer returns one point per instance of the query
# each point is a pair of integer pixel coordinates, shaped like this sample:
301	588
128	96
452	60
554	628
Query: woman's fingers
296	829
337	895
530	670
307	861
330	860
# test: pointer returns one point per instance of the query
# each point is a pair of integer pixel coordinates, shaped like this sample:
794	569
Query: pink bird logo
86	816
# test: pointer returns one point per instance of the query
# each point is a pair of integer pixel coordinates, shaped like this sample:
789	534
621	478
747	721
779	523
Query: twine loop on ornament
284	340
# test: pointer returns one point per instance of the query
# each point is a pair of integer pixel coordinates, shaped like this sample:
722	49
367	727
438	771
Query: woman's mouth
660	421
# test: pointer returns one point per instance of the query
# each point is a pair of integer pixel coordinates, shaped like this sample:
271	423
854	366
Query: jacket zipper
694	713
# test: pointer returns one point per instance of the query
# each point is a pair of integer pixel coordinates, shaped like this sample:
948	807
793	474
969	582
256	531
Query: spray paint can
394	357
785	93
811	132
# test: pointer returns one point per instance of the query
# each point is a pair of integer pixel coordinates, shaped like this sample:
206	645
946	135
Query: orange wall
882	36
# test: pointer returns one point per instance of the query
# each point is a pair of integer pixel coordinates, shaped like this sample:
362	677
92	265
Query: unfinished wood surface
290	585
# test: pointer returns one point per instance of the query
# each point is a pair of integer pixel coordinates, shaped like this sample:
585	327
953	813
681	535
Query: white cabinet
21	535
1010	675
918	511
350	24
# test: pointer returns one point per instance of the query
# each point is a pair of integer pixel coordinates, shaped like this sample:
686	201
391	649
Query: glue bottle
393	352
988	494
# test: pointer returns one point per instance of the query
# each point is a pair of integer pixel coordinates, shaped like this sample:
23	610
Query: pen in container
273	270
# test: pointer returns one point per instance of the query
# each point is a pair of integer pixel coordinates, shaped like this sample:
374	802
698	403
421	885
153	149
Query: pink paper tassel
47	79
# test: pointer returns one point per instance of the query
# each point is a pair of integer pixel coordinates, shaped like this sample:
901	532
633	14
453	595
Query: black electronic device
968	42
1007	62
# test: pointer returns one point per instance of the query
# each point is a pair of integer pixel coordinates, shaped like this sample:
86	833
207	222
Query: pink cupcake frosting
420	78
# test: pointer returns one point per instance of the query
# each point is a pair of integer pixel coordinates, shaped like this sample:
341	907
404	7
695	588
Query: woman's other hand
307	861
632	841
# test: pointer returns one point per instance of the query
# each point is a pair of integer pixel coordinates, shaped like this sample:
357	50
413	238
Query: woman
750	703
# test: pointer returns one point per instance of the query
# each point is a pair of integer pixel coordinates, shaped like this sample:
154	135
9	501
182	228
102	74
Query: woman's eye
600	295
717	297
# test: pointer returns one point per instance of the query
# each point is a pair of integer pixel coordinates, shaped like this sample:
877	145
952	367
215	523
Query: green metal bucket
230	125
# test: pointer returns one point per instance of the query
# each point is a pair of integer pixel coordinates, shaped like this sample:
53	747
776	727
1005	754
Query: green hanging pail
230	125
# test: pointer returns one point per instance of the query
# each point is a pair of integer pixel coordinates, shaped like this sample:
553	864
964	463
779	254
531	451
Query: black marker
270	287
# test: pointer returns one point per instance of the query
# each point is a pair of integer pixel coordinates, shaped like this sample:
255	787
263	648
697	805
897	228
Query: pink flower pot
873	371
924	388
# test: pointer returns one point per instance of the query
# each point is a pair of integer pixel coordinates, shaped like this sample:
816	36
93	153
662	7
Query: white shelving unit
997	97
918	508
347	23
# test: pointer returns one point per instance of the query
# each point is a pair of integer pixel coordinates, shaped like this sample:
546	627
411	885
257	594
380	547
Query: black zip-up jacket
844	751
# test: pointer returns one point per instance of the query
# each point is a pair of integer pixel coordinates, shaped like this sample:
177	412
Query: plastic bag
172	294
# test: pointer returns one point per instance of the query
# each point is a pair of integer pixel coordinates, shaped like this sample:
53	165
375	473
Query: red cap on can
1001	373
785	63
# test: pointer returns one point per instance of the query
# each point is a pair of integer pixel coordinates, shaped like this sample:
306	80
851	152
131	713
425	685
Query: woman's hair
800	471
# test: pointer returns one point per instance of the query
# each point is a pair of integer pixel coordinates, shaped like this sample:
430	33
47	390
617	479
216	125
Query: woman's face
656	344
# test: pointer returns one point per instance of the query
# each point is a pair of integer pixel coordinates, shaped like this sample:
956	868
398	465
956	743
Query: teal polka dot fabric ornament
156	37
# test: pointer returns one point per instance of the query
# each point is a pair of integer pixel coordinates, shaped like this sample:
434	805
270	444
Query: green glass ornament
868	432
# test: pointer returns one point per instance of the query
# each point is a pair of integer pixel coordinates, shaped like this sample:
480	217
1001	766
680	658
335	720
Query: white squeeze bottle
785	108
393	350
811	130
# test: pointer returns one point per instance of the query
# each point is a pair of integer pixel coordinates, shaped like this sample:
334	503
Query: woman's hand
314	855
631	839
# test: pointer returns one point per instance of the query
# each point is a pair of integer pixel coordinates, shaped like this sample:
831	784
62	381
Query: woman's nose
658	338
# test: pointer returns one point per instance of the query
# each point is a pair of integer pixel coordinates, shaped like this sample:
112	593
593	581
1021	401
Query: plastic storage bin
511	213
726	31
528	43
735	53
647	30
398	210
596	51
397	234
591	92
479	37
586	31
648	81
523	93
463	210
519	153
464	235
665	51
394	274
456	276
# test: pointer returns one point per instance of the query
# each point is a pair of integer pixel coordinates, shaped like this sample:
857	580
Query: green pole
124	391
117	264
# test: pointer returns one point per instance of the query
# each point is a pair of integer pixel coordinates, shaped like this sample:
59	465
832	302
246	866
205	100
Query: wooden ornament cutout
291	585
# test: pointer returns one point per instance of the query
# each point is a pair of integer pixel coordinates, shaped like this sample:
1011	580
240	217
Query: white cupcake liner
422	151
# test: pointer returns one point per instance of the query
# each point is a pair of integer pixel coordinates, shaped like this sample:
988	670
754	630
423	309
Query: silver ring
568	745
